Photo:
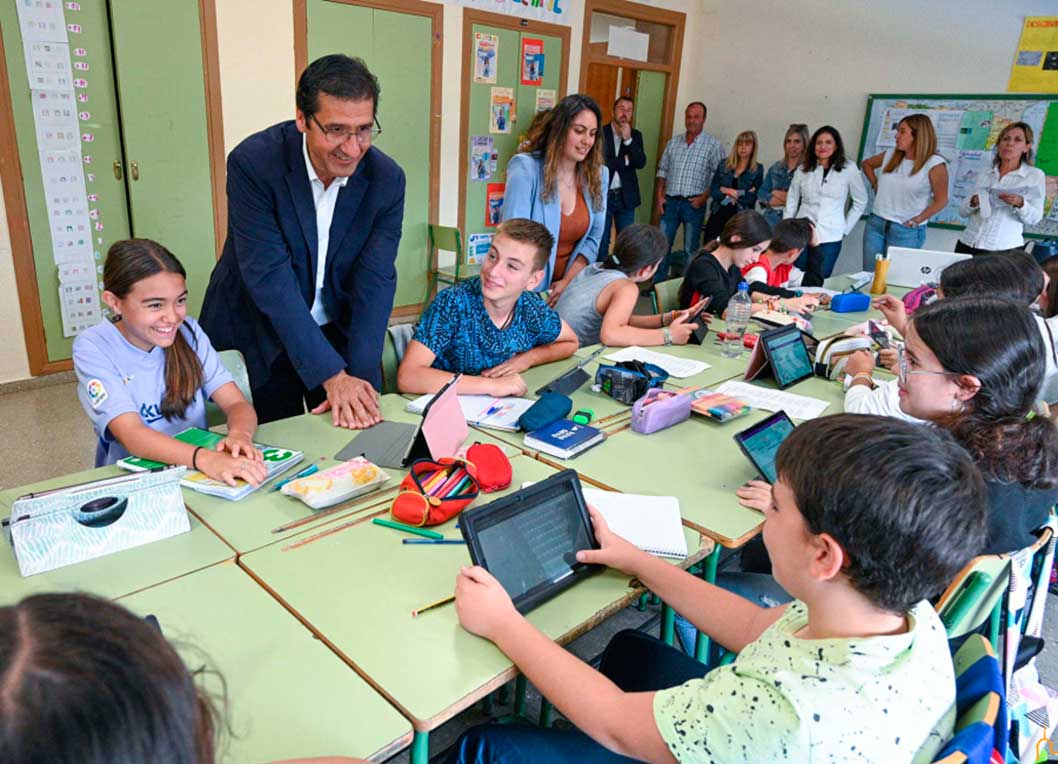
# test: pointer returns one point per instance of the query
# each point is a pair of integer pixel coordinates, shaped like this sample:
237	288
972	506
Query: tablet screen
761	442
789	358
529	540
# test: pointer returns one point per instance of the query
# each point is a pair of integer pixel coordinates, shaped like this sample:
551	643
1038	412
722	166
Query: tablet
529	539
786	353
761	442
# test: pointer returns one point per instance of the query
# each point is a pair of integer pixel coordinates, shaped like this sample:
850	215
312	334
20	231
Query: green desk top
357	588
247	524
288	694
115	574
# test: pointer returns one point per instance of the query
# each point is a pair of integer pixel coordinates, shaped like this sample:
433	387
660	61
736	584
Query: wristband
194	457
667	335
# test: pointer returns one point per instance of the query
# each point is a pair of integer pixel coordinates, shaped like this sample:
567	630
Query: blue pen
310	470
432	541
493	410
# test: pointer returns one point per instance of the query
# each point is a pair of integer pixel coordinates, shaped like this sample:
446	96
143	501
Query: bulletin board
967	128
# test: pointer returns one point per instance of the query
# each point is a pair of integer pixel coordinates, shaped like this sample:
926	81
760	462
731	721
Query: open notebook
652	523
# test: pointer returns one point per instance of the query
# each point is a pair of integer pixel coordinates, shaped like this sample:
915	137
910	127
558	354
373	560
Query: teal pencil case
64	526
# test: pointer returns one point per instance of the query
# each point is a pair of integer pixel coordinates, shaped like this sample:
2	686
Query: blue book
564	439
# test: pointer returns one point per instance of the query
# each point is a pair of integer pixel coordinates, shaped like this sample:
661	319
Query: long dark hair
129	262
547	140
837	159
637	246
998	342
745	229
84	681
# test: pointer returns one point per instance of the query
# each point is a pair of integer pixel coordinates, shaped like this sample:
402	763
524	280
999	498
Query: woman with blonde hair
735	184
912	188
1006	198
772	192
559	178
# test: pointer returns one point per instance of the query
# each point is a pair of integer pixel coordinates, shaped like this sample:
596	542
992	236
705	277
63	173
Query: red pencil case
457	487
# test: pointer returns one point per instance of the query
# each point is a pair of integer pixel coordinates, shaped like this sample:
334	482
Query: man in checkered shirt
682	186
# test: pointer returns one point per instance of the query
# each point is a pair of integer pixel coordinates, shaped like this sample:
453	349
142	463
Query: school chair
975	597
449	239
393	346
666	295
236	366
981	719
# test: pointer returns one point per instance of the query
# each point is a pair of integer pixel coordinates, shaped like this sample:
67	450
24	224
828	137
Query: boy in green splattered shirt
856	668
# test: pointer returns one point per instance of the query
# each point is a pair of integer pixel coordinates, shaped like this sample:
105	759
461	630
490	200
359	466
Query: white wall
757	65
815	61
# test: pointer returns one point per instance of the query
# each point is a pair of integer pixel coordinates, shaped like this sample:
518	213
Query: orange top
570	232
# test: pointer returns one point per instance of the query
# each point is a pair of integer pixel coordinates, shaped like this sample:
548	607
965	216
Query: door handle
117	169
134	169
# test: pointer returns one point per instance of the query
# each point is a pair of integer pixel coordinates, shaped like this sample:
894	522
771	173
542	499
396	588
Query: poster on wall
478	247
545	99
483	157
501	110
493	204
532	61
551	11
1035	68
486	52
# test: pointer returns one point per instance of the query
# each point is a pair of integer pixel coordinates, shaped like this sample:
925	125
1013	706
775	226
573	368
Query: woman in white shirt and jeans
1006	198
912	188
819	191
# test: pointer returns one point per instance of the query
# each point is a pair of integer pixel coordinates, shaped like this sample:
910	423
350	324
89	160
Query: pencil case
337	484
549	408
435	491
659	409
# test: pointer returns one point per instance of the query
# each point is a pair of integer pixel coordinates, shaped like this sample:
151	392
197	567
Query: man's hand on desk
353	402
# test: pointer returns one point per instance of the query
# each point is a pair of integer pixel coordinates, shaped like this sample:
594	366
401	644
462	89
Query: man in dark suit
623	146
305	284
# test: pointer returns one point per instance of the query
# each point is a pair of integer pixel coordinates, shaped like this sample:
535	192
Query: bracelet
194	457
864	375
667	335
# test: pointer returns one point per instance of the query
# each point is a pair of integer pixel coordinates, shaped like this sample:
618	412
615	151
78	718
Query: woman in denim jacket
735	184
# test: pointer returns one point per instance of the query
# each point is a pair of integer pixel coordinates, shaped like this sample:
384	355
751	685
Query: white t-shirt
902	195
873	700
884	400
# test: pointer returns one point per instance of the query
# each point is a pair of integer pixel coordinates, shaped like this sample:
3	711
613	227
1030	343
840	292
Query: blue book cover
565	436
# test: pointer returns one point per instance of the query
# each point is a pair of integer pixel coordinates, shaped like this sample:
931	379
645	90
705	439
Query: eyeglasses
904	367
338	135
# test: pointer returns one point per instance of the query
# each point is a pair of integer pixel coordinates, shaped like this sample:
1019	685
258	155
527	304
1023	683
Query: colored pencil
432	605
459	486
407	528
367	502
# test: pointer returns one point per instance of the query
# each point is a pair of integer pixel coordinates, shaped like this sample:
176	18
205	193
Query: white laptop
915	267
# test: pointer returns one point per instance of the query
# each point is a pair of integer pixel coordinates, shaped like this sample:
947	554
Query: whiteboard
967	127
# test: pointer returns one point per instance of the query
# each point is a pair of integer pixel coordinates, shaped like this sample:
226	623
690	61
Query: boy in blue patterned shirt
492	328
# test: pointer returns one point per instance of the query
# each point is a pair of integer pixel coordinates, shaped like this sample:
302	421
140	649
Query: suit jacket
262	288
625	163
523	198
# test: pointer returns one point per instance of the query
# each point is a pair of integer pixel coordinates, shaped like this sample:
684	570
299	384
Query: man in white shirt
305	284
682	185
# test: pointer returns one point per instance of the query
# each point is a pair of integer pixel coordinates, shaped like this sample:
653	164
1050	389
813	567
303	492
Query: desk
288	695
428	667
113	575
247	524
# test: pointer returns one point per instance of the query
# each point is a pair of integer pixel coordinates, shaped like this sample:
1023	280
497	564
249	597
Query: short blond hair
743	137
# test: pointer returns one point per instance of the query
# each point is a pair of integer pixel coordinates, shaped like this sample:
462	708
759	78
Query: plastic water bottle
739	310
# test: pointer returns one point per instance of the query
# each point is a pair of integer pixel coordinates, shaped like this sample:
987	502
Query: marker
434	480
454	480
312	469
459	487
407	528
432	605
432	541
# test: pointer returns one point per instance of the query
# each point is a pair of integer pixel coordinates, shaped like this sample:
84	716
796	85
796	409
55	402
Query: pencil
407	528
432	605
367	502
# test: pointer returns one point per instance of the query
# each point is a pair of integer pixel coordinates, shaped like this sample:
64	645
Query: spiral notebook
652	523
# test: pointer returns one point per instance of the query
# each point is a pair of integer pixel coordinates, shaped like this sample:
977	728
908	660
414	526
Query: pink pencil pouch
659	409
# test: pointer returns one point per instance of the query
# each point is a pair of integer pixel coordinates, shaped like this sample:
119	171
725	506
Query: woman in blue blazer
560	179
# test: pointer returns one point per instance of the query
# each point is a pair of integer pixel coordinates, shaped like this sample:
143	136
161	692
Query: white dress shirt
615	181
997	225
822	200
324	199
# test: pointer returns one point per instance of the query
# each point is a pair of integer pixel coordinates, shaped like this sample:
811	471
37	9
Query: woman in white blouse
912	188
1006	198
819	191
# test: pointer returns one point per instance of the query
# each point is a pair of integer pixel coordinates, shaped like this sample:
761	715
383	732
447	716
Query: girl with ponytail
974	366
145	375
